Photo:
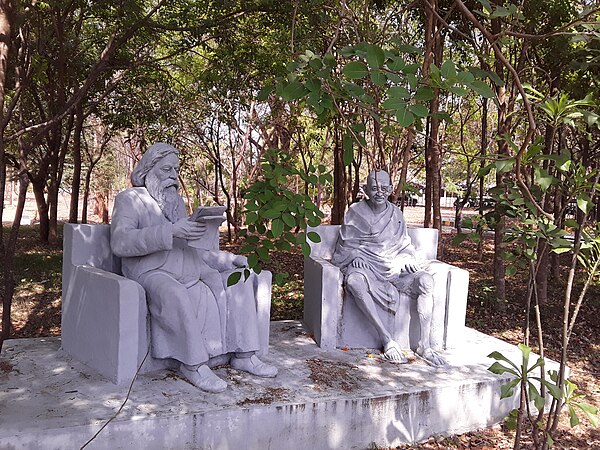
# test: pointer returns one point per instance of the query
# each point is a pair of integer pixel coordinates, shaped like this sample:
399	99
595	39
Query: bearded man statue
194	318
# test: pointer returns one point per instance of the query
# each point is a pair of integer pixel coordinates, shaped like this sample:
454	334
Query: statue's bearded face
378	187
161	182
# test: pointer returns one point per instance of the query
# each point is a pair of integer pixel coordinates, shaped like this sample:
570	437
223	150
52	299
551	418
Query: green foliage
526	379
370	82
277	217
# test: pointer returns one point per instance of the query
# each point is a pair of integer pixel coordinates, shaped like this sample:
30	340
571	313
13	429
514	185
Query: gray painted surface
320	399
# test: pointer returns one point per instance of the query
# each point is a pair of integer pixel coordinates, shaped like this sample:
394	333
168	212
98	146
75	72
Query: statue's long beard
166	195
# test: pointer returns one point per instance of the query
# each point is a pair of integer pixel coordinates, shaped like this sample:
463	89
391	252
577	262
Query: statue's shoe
203	378
254	366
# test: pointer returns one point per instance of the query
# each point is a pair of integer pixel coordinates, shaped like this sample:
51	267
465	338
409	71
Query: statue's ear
364	188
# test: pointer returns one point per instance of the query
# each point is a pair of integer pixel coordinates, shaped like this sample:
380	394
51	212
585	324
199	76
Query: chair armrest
323	297
455	282
104	322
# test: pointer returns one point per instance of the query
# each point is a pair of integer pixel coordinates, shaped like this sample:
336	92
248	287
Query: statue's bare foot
254	366
432	357
203	378
392	351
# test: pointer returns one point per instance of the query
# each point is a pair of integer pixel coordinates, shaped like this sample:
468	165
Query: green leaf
263	254
573	419
405	117
543	179
465	77
459	238
590	411
504	165
507	390
355	70
500	357
277	227
280	278
511	419
378	78
233	278
375	56
289	220
313	236
419	110
482	89
552	389
294	91
305	249
398	92
535	396
270	214
394	103
397	64
499	369
424	93
264	93
448	69
511	270
585	204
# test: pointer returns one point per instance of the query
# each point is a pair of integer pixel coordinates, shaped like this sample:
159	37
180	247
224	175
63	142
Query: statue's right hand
186	229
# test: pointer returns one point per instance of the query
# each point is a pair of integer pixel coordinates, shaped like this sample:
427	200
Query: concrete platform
320	400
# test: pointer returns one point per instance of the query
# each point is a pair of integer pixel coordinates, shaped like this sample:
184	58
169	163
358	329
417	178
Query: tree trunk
42	207
433	54
503	151
9	263
339	180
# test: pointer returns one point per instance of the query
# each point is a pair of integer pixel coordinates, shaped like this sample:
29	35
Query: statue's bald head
154	154
380	177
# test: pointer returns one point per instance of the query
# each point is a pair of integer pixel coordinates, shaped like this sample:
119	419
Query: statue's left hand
240	261
412	267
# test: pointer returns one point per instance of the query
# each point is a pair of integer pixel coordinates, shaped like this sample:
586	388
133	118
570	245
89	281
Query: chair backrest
425	241
89	244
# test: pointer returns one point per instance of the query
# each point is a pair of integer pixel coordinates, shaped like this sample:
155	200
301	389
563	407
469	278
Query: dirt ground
36	312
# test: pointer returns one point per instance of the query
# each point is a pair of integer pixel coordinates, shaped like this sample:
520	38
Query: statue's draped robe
382	243
193	316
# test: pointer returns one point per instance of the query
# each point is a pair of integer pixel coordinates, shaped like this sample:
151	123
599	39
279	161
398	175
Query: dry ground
36	312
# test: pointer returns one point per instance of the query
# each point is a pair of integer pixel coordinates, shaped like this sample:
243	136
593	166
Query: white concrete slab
321	400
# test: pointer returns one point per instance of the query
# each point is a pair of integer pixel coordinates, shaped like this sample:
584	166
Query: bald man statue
378	260
194	318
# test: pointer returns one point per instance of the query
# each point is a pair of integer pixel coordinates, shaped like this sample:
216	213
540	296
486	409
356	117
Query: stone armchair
104	315
338	323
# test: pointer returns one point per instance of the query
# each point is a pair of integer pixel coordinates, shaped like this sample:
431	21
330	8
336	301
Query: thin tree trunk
339	180
9	263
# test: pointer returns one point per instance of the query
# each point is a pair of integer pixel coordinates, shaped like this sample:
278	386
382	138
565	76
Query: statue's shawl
381	242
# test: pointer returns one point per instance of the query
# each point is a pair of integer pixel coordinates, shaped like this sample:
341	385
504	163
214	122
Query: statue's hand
240	261
186	229
411	267
359	263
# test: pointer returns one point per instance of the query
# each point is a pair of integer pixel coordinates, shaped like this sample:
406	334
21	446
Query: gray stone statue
194	319
378	260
